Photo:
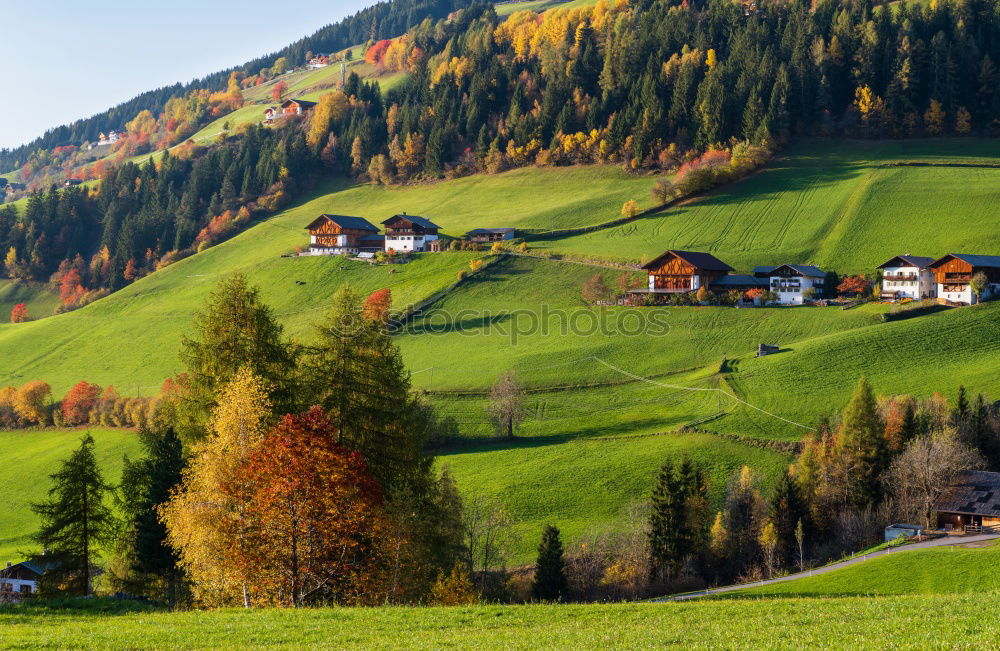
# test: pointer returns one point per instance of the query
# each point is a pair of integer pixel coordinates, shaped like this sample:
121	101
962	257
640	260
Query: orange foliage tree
19	314
70	287
315	524
376	306
278	90
78	403
376	52
852	285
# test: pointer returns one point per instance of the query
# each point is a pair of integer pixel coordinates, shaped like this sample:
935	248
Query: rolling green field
902	622
932	571
606	397
39	299
30	456
835	205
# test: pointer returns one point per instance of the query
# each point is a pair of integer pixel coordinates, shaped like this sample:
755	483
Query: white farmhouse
410	233
791	282
908	276
18	582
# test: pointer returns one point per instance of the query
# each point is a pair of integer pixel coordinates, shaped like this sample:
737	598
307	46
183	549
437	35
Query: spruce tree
788	510
550	572
861	447
146	484
75	521
665	521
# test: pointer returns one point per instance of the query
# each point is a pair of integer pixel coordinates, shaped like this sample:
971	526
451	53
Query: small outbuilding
489	235
971	502
894	531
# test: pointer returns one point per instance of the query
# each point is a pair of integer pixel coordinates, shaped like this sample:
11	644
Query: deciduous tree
78	402
19	314
507	404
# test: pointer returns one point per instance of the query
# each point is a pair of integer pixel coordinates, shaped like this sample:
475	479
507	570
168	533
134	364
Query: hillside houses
342	235
955	274
19	581
490	235
288	108
793	283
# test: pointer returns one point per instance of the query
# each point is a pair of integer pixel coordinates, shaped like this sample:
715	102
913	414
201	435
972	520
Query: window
6	587
25	588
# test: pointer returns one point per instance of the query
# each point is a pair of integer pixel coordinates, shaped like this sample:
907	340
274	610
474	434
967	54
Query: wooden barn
954	273
337	234
972	502
683	271
489	235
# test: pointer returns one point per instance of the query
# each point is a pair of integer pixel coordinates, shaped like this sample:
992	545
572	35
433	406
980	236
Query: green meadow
30	456
902	622
931	571
607	389
38	298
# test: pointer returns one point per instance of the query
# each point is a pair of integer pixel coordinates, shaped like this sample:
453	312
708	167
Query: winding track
936	542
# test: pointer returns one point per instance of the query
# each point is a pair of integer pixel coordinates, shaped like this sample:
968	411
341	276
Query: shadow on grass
81	605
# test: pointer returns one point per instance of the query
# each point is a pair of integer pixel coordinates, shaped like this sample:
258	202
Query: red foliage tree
130	270
314	524
70	287
19	314
78	402
376	307
852	285
376	52
278	90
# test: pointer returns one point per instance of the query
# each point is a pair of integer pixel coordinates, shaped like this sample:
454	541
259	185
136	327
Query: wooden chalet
971	502
337	234
954	272
411	233
19	581
489	235
288	108
676	272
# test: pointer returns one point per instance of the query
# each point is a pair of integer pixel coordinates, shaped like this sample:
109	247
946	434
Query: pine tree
788	510
75	521
861	447
665	522
550	572
146	485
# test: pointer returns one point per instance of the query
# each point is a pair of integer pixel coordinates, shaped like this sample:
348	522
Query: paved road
935	542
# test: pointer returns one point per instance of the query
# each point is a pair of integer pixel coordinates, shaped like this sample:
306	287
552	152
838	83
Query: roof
419	221
705	261
739	280
485	231
974	260
10	571
301	102
917	261
975	492
358	223
807	270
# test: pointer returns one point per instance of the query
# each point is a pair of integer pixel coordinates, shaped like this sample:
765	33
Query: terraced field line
725	393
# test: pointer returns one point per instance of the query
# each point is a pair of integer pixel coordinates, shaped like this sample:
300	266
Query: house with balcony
954	274
677	272
411	233
793	284
288	108
340	235
908	276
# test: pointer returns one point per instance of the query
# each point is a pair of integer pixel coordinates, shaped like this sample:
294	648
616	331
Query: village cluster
953	278
341	235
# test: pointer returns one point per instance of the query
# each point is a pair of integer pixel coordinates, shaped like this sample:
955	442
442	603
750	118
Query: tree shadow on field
430	324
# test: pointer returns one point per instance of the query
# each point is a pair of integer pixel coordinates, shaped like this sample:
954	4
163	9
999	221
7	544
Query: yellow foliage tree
934	118
630	208
710	59
454	589
31	402
331	107
201	524
963	121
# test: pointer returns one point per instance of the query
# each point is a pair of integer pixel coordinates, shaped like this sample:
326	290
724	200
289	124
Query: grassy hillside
932	571
29	458
836	205
39	299
904	622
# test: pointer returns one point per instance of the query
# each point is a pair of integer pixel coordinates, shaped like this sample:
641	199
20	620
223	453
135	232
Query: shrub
454	589
630	208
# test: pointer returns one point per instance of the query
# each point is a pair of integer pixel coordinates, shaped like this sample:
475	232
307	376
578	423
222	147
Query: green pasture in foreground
833	204
936	570
902	622
30	456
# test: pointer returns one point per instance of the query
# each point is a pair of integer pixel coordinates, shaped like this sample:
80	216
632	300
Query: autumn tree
78	403
204	517
934	118
314	523
506	406
929	465
75	521
860	448
630	208
278	91
376	307
235	330
31	402
595	290
853	285
330	109
19	314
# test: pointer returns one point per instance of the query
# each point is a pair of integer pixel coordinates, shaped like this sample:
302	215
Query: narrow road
936	542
